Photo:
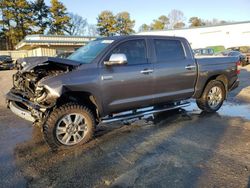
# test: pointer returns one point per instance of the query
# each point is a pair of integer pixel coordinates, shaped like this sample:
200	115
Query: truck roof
117	38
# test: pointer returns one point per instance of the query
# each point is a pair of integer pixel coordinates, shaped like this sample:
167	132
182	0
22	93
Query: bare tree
92	30
215	21
175	16
77	25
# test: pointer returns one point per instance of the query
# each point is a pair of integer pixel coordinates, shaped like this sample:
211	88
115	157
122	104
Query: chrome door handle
190	67
147	71
107	77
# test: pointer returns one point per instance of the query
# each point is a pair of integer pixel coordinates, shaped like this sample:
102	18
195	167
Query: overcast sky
144	11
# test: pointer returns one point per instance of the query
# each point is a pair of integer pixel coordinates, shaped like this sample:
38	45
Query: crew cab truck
69	97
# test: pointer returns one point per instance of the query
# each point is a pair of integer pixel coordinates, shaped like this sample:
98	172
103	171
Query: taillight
237	67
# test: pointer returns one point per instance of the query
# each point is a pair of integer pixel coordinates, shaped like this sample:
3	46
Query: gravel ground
185	148
243	92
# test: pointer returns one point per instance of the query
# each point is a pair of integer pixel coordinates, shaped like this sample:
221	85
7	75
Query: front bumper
23	107
25	114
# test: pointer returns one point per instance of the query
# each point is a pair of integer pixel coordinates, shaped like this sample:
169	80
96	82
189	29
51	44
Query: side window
168	50
135	50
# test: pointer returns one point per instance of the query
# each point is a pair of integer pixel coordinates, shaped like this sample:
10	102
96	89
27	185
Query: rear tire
68	126
212	97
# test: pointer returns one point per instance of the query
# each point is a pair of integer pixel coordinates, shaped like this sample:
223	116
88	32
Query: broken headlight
40	94
44	97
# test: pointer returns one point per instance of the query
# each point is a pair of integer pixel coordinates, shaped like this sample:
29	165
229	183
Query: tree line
176	20
19	18
109	24
22	17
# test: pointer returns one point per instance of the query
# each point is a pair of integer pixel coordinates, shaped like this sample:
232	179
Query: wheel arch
220	77
81	97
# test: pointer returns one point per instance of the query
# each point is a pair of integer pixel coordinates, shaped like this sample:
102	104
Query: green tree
3	45
124	24
41	16
60	21
179	25
195	22
22	15
144	27
16	20
5	25
106	24
160	24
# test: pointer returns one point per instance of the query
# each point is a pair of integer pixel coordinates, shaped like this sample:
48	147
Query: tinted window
167	50
88	53
135	50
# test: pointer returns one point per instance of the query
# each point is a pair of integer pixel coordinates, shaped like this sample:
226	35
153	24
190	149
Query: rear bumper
235	85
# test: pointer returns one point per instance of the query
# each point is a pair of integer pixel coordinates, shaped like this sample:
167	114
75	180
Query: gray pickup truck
113	79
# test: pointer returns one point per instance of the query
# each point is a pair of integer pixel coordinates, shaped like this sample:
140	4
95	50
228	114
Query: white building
51	45
47	45
228	35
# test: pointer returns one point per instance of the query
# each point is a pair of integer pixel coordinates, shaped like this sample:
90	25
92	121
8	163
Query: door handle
107	77
190	67
147	71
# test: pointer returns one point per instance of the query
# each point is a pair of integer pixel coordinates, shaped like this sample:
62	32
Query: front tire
213	97
68	126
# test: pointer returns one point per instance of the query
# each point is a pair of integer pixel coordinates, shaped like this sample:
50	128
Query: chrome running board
143	113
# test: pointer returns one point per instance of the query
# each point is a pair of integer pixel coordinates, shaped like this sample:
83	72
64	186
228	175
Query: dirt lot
185	148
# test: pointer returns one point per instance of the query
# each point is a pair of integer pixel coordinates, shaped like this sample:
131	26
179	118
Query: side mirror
116	59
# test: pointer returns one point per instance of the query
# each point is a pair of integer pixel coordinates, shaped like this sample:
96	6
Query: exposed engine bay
27	93
27	82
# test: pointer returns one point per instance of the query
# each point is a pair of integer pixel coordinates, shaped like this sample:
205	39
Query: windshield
88	53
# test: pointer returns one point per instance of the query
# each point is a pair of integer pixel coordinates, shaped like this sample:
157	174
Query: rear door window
168	50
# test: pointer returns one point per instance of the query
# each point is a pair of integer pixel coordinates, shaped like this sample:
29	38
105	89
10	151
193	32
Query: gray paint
124	87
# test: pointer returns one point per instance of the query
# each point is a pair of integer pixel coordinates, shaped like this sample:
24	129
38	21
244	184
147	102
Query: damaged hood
29	63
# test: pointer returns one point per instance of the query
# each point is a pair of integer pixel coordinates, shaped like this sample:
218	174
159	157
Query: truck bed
213	66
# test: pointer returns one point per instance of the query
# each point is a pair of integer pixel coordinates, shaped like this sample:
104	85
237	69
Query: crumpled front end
22	107
28	98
